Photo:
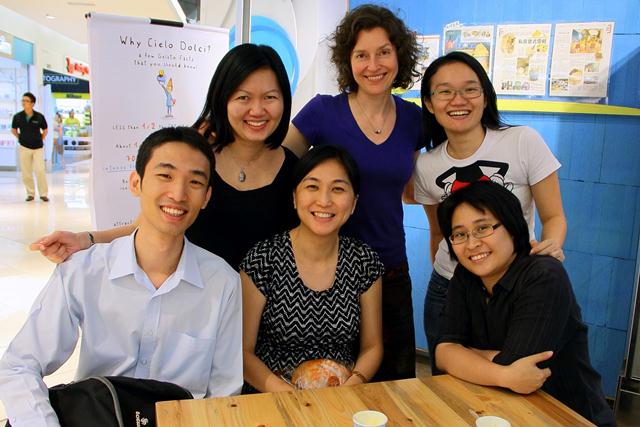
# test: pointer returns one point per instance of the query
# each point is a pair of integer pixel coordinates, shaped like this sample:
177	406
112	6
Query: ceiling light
80	3
49	16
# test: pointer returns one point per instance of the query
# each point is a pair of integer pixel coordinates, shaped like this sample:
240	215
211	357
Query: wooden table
431	401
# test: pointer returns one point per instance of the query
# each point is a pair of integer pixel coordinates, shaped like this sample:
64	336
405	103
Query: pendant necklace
377	131
242	175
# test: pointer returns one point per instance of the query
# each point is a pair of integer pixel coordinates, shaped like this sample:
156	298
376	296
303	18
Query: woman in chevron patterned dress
309	293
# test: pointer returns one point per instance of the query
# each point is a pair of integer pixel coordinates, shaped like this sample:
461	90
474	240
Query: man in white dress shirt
150	305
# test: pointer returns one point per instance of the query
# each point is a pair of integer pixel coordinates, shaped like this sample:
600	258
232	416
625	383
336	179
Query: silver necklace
242	175
377	131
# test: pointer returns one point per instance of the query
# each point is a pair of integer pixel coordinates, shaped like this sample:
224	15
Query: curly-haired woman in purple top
373	52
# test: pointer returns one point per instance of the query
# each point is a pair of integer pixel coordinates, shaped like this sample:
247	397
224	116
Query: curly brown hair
367	17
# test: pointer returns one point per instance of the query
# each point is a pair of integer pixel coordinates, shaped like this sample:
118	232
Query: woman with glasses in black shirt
511	318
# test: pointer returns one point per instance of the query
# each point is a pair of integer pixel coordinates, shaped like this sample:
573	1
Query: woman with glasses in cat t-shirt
467	142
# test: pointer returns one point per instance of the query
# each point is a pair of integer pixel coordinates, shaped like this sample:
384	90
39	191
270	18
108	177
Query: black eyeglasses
483	230
447	94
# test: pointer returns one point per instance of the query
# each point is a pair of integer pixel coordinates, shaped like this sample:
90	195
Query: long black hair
434	132
233	69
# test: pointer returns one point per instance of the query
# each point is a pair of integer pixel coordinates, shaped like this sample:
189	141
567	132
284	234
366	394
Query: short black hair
233	69
31	96
320	154
434	132
492	197
185	135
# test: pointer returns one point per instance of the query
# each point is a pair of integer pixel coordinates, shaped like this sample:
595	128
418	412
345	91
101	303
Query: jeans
398	332
434	304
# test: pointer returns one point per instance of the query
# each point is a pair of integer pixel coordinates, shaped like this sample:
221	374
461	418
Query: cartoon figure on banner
167	86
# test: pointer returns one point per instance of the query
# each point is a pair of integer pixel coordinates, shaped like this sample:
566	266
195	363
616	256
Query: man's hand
523	376
59	245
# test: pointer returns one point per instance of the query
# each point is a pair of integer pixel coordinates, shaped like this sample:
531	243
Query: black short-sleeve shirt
233	220
29	129
532	309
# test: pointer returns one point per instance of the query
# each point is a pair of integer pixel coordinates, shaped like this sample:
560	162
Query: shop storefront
72	116
16	56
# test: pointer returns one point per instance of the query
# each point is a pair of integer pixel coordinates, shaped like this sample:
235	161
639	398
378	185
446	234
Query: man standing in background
30	127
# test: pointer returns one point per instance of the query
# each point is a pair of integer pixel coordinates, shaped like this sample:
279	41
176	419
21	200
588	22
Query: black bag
112	401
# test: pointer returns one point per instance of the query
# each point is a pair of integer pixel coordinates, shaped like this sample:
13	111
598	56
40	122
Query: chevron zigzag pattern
299	323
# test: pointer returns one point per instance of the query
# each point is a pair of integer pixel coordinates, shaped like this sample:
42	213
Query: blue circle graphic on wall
268	32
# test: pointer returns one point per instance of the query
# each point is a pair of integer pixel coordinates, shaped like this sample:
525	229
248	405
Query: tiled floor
24	273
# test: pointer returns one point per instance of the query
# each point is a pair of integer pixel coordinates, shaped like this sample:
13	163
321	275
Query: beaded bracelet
359	375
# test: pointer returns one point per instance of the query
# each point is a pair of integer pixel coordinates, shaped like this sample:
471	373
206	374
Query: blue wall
600	174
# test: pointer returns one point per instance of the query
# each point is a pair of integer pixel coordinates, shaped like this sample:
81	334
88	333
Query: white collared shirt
188	331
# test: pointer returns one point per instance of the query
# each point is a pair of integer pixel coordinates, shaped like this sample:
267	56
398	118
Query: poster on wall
144	77
429	51
521	60
581	59
477	41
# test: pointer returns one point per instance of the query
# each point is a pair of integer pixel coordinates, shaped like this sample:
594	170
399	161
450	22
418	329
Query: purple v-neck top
385	168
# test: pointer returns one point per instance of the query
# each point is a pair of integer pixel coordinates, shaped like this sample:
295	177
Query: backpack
112	401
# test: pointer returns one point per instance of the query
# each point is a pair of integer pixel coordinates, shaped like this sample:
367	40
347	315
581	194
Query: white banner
144	77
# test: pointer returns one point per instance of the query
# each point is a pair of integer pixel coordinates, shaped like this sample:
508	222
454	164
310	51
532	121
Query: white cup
369	419
492	421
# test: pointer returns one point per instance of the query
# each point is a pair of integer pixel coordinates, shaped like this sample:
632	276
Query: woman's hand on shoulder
547	247
60	245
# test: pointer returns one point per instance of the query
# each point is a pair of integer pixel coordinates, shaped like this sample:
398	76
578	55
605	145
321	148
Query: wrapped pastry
319	373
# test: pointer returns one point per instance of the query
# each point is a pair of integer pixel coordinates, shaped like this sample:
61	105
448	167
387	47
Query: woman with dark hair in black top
511	318
245	117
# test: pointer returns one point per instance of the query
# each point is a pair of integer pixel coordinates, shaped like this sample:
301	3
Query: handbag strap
114	396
